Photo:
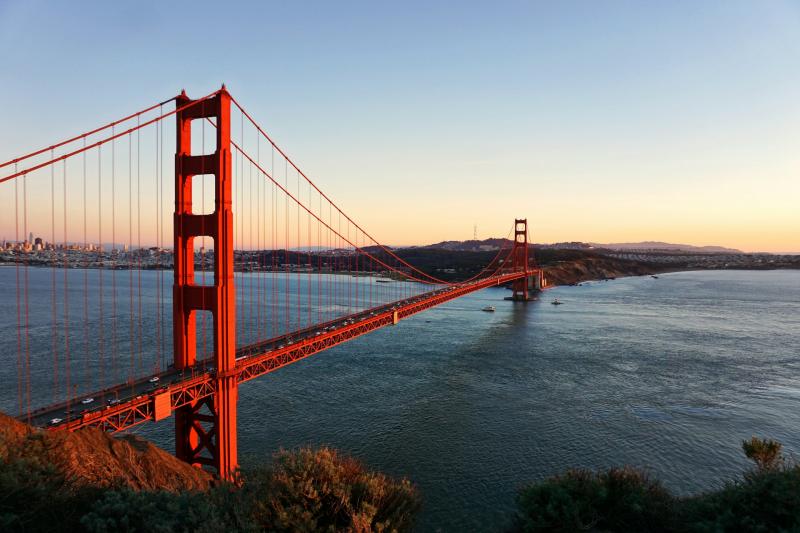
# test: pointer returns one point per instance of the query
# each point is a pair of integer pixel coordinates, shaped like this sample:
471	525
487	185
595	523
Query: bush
320	490
765	453
763	501
620	499
123	511
306	490
33	495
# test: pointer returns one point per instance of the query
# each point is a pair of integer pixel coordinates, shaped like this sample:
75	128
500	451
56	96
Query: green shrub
620	499
306	490
763	501
320	490
33	495
125	510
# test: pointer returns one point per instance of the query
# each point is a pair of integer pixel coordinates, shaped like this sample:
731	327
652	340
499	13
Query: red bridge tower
205	431
519	260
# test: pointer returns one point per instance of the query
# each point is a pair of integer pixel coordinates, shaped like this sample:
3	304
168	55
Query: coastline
597	269
574	272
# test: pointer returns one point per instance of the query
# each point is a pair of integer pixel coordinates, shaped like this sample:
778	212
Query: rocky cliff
594	268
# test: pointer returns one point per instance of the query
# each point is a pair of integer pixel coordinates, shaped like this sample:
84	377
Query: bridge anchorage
293	275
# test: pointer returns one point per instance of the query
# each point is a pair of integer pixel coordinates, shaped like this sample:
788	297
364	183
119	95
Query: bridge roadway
155	397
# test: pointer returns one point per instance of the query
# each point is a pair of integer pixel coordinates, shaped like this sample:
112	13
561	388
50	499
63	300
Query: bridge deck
127	405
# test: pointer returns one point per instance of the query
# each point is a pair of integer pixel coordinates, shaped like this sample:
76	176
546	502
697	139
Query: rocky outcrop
594	268
95	458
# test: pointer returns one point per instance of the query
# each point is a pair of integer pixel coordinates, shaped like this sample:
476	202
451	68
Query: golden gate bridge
287	274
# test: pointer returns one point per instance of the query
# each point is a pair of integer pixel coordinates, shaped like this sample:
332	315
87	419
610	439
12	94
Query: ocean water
665	374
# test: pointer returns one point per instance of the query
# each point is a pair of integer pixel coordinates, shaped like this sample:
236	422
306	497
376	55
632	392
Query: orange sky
610	122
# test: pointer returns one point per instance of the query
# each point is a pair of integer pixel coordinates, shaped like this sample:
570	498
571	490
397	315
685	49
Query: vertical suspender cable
161	206
259	249
157	219
20	378
250	269
27	302
101	265
86	381
66	294
273	308
287	328
54	303
131	330
115	259
297	263
310	265
320	277
139	243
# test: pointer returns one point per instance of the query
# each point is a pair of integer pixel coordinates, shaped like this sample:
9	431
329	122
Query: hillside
594	268
562	266
495	243
666	246
91	457
91	482
469	246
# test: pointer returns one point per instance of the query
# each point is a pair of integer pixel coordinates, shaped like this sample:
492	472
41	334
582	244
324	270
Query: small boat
556	302
654	277
383	281
488	309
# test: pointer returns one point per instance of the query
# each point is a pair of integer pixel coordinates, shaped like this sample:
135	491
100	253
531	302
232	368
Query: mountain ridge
666	246
490	244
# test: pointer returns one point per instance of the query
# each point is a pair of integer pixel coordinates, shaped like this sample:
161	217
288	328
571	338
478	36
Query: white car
87	401
154	379
54	421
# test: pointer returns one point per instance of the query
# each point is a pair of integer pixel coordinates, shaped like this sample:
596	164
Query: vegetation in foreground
304	490
766	499
88	481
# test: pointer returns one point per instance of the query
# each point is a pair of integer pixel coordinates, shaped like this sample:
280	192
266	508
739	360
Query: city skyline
612	123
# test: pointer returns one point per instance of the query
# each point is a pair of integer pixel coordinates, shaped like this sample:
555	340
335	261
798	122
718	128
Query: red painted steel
202	397
83	149
186	393
205	431
519	258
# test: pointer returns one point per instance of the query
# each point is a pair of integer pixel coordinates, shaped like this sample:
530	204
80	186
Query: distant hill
665	246
488	245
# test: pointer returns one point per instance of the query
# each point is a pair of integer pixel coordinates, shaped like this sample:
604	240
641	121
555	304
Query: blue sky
599	121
